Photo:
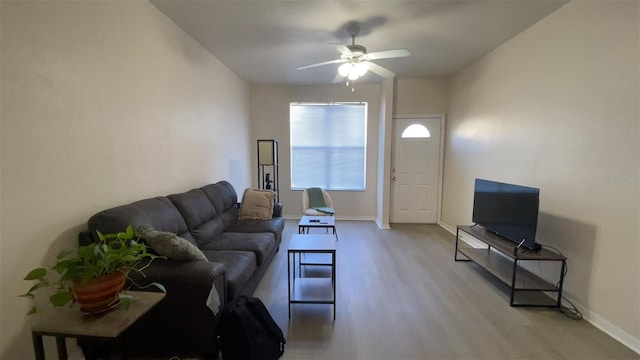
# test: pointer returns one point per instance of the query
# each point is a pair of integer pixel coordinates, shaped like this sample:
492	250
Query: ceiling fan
356	61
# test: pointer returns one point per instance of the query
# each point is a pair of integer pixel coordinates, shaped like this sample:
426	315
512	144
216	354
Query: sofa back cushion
199	214
225	200
158	212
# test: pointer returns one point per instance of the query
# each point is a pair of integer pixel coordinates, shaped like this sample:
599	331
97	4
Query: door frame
442	118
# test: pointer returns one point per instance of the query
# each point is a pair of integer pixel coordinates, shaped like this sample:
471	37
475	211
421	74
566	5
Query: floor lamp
268	166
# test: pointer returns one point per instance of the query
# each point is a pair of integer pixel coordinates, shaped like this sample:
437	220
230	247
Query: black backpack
247	331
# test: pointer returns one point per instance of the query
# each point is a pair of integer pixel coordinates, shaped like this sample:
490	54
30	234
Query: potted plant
95	275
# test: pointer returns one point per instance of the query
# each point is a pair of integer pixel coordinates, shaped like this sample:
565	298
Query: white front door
415	170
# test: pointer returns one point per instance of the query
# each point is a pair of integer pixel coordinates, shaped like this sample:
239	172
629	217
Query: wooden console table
70	322
504	260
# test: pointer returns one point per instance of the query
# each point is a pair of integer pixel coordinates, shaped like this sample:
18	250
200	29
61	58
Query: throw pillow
257	204
170	245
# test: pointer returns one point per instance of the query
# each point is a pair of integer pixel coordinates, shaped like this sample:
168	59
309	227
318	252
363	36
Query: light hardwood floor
400	295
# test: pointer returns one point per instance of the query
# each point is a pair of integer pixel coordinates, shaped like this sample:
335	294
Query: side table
70	322
322	222
308	290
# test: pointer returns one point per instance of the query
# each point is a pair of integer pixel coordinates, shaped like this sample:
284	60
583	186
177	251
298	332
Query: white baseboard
607	327
593	318
386	226
449	228
343	218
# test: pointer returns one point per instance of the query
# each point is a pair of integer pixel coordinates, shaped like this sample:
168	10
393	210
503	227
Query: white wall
103	103
421	96
557	107
270	120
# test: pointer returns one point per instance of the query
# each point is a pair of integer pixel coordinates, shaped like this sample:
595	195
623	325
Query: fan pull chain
353	88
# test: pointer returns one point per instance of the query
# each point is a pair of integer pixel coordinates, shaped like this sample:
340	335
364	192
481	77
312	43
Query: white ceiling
264	41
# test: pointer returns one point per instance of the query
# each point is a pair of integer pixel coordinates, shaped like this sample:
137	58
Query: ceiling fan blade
336	61
338	79
342	48
386	54
377	69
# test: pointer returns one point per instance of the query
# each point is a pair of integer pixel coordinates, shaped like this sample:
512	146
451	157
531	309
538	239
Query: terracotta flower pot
99	294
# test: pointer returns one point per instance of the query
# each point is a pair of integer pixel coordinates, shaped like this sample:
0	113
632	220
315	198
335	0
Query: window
328	145
416	131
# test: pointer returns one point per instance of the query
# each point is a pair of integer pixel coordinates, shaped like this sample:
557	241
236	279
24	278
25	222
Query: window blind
328	145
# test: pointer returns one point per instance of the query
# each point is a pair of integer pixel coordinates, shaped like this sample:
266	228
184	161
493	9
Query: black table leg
38	347
289	277
62	348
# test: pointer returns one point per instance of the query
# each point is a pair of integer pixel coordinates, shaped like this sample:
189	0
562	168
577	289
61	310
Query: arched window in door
416	131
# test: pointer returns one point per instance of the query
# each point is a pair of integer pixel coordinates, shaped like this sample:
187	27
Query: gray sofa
239	253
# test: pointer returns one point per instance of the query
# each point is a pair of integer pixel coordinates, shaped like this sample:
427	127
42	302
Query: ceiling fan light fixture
344	69
362	67
356	61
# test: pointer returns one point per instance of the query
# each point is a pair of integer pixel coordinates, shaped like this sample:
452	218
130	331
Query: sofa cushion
240	265
169	244
274	226
199	214
194	206
222	195
224	199
261	244
158	212
257	204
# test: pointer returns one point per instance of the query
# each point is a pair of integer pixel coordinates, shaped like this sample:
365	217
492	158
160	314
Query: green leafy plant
120	252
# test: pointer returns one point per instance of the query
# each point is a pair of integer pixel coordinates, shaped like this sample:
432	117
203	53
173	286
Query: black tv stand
504	259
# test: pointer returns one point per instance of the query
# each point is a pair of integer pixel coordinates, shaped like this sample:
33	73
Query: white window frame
361	148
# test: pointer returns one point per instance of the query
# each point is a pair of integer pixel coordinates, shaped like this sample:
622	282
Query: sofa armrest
190	280
182	321
194	277
85	238
277	210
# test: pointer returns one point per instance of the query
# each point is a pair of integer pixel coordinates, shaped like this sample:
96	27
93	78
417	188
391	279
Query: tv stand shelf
504	260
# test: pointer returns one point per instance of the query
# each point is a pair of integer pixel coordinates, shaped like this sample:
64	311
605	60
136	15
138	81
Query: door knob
393	178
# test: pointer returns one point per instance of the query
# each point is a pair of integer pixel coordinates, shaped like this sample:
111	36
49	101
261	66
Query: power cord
552	248
571	311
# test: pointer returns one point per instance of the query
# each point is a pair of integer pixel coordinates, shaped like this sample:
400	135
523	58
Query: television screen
507	210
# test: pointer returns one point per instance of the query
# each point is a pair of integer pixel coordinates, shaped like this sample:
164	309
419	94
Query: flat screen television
507	210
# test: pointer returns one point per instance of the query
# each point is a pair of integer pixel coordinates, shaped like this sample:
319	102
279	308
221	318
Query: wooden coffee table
321	222
70	322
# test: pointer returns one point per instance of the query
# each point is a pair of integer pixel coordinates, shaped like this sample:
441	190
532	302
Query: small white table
311	290
321	222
